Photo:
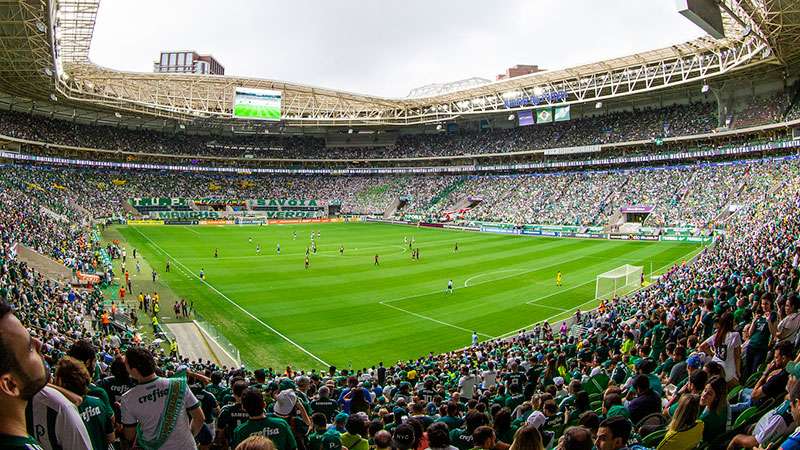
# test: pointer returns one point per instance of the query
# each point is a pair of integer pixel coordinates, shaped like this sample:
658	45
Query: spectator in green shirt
260	425
715	414
98	417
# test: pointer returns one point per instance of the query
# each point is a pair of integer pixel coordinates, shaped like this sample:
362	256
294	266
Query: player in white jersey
450	286
279	248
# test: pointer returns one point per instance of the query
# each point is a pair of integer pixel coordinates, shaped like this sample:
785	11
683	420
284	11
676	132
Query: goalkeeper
558	278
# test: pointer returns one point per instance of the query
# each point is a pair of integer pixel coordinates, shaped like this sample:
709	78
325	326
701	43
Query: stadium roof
44	63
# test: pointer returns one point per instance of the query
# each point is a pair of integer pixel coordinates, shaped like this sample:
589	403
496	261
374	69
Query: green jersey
18	443
276	429
97	417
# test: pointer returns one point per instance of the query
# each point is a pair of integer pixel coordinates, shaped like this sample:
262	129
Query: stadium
596	256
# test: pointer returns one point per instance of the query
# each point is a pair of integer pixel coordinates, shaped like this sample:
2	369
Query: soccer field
346	311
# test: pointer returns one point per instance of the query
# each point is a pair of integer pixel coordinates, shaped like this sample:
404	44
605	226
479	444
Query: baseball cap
341	417
287	384
403	437
695	361
536	419
332	440
558	381
284	402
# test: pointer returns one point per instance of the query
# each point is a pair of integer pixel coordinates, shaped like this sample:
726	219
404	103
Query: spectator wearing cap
537	421
403	438
684	431
613	407
258	423
339	422
646	401
287	406
613	434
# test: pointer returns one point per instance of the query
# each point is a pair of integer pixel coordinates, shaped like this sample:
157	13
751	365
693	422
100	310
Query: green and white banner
544	115
561	113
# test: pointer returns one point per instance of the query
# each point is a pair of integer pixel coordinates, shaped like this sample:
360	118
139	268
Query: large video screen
260	104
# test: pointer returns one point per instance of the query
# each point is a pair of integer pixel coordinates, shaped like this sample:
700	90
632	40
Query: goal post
619	281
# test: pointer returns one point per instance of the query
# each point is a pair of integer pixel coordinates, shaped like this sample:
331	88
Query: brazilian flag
544	115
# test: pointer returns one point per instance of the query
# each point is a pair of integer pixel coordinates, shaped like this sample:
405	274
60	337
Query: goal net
619	281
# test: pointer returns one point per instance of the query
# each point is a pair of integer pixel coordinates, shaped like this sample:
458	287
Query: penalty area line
435	320
248	313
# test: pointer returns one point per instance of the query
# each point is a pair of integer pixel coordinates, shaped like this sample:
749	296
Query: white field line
558	292
466	282
248	313
587	302
193	231
435	320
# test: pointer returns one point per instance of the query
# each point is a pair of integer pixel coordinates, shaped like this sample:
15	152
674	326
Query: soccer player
154	275
558	278
376	260
314	248
202	274
450	286
456	247
279	248
341	249
317	234
294	235
216	253
306	263
258	249
250	240
167	268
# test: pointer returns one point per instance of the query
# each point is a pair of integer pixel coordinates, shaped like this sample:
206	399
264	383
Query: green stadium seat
734	393
745	417
652	440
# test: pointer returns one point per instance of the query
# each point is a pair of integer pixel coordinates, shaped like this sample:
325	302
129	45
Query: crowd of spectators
638	124
707	355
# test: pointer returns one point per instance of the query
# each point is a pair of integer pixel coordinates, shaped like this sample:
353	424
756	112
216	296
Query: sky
383	47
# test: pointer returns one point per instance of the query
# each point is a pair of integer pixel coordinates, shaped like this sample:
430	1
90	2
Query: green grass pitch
346	311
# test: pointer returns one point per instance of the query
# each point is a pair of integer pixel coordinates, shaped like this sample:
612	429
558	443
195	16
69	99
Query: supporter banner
166	215
158	201
284	202
146	222
291	221
216	222
292	214
213	201
544	115
561	113
637	209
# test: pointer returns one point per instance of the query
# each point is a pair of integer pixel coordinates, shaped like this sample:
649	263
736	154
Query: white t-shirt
467	385
725	354
489	379
50	412
144	404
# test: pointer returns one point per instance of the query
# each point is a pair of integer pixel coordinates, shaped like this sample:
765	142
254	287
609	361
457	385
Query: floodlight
118	115
350	131
439	127
53	97
598	105
511	117
705	88
48	71
182	126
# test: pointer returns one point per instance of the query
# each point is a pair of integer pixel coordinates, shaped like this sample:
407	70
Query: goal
619	281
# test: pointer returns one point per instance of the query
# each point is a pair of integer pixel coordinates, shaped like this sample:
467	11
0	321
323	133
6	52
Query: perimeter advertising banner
284	202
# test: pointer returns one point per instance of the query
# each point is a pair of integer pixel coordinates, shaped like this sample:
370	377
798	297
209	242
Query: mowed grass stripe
333	308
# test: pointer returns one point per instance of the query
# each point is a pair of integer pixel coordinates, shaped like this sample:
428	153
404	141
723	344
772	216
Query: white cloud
382	47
